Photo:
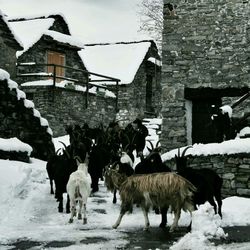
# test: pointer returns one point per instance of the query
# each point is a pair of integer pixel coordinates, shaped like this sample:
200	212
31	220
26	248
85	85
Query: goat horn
184	151
65	150
157	143
152	146
78	158
58	151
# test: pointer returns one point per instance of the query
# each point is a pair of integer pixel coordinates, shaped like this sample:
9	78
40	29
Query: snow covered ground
28	211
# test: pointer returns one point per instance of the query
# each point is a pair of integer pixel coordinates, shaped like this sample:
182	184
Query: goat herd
97	153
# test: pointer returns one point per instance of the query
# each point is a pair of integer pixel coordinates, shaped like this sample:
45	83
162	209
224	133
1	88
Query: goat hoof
85	221
162	225
114	226
79	217
70	220
171	230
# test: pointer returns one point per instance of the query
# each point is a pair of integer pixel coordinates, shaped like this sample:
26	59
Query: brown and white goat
124	167
79	189
162	190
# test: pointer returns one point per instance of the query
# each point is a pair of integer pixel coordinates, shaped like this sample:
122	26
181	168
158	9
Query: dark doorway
203	128
149	93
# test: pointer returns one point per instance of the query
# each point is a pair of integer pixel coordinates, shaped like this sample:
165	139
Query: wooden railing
86	74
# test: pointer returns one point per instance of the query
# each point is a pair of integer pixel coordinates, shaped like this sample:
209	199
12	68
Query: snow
227	109
23	31
226	147
65	84
92	21
57	36
120	61
14	144
40	27
31	212
21	95
155	61
10	28
243	132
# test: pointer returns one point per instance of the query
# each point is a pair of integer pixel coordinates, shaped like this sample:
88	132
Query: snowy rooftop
2	16
39	27
119	60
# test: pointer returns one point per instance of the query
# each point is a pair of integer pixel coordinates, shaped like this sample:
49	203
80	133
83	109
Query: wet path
155	238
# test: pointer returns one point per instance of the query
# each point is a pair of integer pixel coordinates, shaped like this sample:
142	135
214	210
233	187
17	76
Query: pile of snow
244	132
14	144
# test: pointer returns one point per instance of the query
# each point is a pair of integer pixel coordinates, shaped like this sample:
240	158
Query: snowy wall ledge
230	159
14	149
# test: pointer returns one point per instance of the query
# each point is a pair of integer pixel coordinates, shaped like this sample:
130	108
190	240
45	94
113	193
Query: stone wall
205	45
234	169
62	107
19	119
8	58
132	97
38	54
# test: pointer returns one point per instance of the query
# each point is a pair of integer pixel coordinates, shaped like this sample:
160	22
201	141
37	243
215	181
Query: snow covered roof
8	33
119	60
40	26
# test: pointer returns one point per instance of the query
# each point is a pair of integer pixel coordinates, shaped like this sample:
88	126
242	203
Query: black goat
152	163
100	156
207	182
59	168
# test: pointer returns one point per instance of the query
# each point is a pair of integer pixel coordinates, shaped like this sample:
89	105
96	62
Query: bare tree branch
151	13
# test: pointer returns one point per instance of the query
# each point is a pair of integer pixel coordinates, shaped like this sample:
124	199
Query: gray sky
91	20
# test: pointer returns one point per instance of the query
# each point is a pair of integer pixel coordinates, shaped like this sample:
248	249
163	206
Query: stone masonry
205	45
233	168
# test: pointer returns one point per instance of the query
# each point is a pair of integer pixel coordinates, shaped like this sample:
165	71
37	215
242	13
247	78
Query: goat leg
114	197
145	213
119	219
80	210
73	209
68	205
163	217
84	214
177	214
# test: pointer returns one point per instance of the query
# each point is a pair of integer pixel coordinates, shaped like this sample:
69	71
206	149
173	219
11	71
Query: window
58	59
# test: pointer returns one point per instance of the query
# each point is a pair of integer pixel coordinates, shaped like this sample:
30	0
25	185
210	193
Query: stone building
138	66
20	119
206	58
9	45
59	92
71	82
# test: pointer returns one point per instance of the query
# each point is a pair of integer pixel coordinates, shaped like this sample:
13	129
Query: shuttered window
56	58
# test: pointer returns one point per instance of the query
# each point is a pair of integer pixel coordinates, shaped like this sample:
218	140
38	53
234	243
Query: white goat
79	189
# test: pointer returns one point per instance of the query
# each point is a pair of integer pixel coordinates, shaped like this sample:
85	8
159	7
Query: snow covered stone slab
14	149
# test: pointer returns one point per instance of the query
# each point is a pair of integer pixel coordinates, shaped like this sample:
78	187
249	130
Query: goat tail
187	196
